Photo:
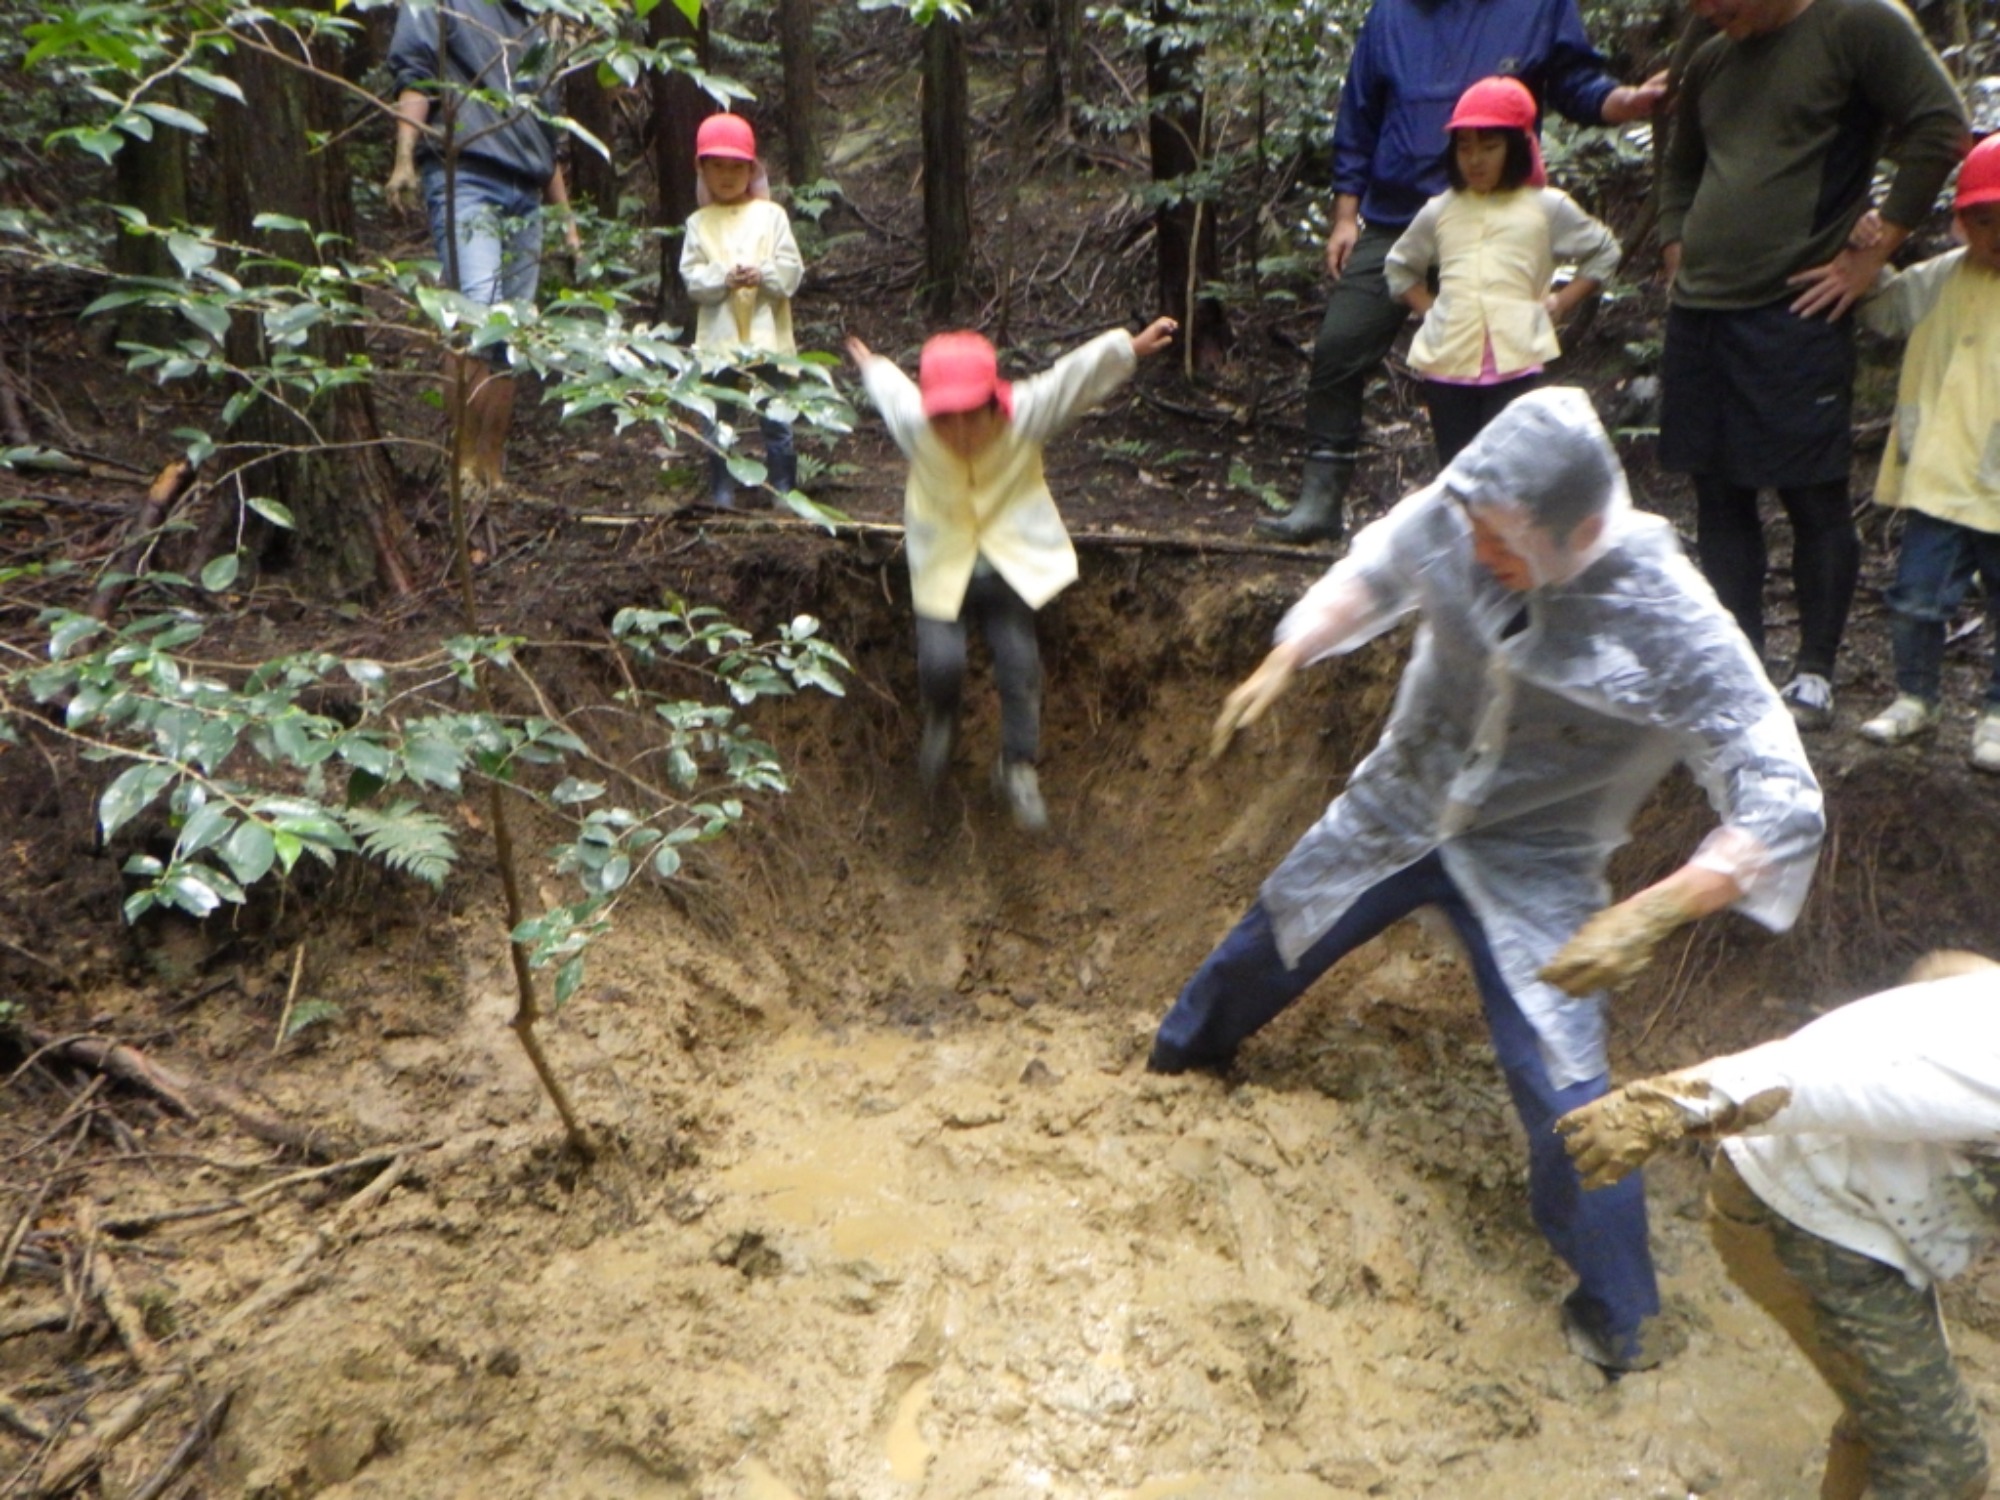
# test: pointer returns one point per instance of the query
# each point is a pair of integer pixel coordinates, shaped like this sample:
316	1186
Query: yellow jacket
1943	456
998	505
1496	256
751	232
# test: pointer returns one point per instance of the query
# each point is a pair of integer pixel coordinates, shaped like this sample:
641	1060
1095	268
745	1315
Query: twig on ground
199	1436
291	995
103	1280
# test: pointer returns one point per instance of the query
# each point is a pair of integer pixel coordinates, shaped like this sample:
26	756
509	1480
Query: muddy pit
893	1210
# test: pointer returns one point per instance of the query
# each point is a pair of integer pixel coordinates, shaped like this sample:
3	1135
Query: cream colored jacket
753	232
1943	456
1496	256
998	505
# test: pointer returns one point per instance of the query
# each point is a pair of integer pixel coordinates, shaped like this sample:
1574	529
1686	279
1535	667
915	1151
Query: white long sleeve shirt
752	232
1890	1142
997	504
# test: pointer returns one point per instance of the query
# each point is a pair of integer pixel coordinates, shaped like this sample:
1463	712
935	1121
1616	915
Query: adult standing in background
1412	61
464	72
1780	120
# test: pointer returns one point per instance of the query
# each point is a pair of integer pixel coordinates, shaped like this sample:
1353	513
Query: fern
310	1013
406	838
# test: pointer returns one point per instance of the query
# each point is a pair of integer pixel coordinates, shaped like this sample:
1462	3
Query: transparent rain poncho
1530	725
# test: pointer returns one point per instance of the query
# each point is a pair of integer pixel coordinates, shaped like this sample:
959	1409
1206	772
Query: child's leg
1933	571
941	667
1457	414
1009	626
1985	549
781	458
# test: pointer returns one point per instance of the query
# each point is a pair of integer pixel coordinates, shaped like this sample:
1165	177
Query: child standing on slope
1495	240
1942	464
985	542
742	267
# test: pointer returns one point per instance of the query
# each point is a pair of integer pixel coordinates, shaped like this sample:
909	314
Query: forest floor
889	1207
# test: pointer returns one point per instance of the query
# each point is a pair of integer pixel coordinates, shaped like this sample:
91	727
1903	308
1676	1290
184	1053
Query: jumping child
985	541
1942	464
742	268
1495	240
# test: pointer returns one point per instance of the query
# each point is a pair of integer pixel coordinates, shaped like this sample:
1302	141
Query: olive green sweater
1775	141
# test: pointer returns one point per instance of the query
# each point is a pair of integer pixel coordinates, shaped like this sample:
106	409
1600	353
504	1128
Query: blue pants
1932	575
1244	983
497	217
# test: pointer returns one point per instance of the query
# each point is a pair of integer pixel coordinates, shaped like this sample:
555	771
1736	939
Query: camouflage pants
1909	1429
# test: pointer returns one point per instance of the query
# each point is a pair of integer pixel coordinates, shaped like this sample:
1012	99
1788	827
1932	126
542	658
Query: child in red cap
741	266
1495	240
1942	465
981	529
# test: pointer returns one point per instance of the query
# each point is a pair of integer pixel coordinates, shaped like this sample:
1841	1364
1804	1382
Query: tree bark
592	179
946	113
270	160
1189	250
805	162
152	177
1062	62
679	107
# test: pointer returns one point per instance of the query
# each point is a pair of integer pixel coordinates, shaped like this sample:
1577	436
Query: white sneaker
1021	790
1810	698
1902	721
1986	742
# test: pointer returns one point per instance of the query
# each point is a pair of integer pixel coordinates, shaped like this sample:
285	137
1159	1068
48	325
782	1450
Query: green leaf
191	893
220	572
667	862
570	791
71	630
215	83
281	223
209	318
129	795
170	114
250	852
204	826
272	511
310	1013
568	977
690	9
190	253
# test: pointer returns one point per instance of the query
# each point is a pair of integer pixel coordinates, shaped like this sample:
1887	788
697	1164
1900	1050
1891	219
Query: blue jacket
1412	61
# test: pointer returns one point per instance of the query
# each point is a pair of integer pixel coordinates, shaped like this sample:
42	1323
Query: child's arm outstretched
1046	403
1154	337
893	393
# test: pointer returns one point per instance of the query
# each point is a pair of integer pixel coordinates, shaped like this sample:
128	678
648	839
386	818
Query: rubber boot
721	483
1320	515
781	471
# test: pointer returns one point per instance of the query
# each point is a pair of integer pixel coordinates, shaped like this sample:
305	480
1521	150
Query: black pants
1008	623
1361	322
1826	560
1460	412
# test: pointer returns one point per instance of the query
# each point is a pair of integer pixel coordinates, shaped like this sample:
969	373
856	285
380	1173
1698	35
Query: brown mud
890	1207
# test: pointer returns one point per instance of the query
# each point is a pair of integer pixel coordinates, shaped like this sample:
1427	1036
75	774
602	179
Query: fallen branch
82	1456
206	1425
33	1320
168	486
1131	541
111	1295
187	1097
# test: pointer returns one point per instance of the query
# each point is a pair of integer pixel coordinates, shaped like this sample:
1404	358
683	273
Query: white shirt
1887	1145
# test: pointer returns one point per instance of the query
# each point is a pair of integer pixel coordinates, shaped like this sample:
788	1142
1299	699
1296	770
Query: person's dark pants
1460	412
1761	398
1244	983
1361	322
1008	624
1826	561
1933	573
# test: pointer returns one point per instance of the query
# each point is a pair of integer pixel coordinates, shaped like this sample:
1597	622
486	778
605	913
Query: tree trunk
804	161
267	162
592	179
679	107
1062	63
1189	248
153	178
947	169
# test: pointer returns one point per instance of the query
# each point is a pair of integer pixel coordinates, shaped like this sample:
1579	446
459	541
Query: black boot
782	471
1320	515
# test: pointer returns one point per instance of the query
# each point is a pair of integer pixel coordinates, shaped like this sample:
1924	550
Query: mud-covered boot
1021	790
1319	515
934	750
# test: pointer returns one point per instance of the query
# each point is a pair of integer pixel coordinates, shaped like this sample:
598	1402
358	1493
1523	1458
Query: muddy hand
1614	947
1247	704
1610	1138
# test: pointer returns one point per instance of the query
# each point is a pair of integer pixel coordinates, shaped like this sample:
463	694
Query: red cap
1495	104
1502	104
727	136
1979	178
961	372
